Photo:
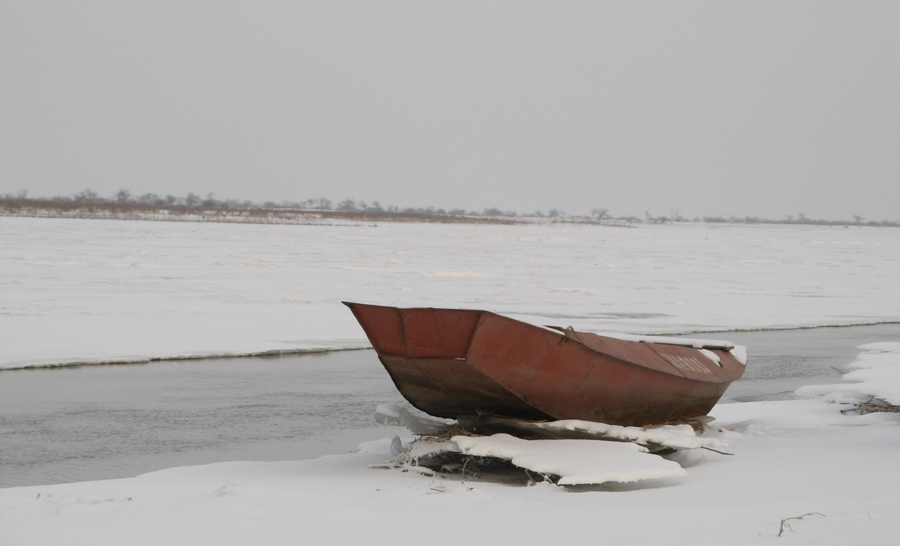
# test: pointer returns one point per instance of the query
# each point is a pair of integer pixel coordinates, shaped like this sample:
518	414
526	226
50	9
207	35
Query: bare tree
150	199
88	196
599	214
123	196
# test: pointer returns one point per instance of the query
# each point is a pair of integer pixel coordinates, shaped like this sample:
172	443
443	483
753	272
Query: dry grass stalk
785	525
873	405
715	450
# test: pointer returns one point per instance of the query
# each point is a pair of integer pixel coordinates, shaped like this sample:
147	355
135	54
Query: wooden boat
458	362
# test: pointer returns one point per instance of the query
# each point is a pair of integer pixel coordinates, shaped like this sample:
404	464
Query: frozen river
96	422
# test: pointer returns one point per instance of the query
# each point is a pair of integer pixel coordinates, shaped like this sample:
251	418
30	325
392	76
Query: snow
82	291
396	415
604	454
740	353
92	290
671	436
877	374
713	356
576	462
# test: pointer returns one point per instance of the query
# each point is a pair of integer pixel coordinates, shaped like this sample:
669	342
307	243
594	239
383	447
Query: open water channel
98	422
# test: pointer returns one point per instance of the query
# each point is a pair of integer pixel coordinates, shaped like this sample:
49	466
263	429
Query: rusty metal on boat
461	362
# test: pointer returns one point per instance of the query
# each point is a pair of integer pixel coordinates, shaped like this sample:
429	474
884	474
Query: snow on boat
460	362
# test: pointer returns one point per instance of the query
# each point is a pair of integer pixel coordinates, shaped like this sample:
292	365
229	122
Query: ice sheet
576	462
106	290
671	436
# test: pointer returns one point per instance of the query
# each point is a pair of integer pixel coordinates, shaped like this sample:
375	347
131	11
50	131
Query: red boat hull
454	362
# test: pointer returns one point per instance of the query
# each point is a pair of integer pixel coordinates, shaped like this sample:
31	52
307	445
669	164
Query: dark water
781	361
97	422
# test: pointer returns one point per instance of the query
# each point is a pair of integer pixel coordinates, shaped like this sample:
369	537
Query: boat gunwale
562	334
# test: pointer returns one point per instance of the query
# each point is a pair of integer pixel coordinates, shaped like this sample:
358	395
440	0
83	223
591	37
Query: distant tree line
193	200
798	219
124	200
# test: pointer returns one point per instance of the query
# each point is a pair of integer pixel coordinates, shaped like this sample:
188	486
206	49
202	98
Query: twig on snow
873	405
785	525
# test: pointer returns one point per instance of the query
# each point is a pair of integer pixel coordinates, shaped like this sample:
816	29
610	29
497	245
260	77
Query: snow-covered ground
789	458
99	290
104	290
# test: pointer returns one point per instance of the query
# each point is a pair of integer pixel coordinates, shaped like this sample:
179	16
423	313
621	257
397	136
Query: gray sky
712	108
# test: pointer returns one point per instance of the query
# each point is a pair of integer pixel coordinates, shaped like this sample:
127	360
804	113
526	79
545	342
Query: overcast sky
711	108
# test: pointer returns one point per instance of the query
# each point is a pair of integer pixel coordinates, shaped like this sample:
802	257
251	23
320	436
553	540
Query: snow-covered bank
790	458
875	374
96	290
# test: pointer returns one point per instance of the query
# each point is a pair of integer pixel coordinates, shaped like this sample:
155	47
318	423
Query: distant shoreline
105	210
181	213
